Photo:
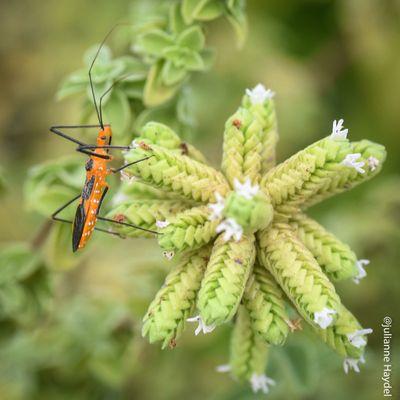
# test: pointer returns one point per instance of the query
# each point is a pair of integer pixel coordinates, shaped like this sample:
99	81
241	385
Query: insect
95	187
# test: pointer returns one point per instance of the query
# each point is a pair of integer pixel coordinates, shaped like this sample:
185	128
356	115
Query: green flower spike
176	300
251	210
249	354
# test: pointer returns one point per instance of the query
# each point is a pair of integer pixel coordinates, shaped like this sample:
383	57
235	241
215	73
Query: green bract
265	252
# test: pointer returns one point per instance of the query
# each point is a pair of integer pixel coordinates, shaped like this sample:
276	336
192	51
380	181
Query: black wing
77	230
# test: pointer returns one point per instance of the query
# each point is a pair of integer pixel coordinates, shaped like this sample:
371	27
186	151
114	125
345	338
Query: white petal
373	163
202	327
361	271
246	189
324	317
223	368
258	95
337	131
231	228
351	161
356	338
162	224
261	382
169	255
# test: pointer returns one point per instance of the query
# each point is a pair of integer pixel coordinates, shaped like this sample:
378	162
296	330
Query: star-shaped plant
247	247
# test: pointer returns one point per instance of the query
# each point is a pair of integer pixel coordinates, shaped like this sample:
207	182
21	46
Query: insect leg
55	218
115	170
79	149
126	224
55	213
96	229
57	130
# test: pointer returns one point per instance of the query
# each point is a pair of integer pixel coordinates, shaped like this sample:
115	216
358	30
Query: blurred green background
325	60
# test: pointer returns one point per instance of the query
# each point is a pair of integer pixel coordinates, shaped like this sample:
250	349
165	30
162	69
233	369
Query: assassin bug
95	187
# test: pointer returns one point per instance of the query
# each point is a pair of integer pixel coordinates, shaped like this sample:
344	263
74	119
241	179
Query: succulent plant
247	249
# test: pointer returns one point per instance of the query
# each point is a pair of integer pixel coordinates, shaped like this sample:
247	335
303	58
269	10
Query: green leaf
238	20
117	112
193	38
17	263
69	88
171	74
103	57
191	8
188	8
155	91
134	69
99	90
50	185
133	90
154	42
176	22
210	11
193	61
58	248
208	56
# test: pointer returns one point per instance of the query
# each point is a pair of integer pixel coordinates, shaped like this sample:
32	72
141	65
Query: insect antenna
108	91
98	111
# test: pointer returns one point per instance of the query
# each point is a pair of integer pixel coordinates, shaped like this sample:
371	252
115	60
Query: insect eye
103	138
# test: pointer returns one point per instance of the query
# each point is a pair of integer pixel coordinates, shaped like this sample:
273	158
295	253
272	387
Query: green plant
266	253
168	46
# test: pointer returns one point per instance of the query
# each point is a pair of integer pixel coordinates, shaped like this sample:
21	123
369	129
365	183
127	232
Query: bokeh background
325	60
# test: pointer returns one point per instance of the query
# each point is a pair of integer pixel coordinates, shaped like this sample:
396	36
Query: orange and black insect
95	187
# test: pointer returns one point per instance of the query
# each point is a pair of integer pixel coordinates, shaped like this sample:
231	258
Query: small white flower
202	327
223	368
217	207
162	224
245	189
134	144
259	94
351	161
261	382
352	363
361	271
169	255
372	163
337	131
125	177
324	317
231	228
356	338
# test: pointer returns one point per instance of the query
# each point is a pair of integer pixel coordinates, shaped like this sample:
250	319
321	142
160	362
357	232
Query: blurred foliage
324	59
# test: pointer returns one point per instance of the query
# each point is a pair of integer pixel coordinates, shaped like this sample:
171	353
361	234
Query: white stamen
223	368
352	363
125	177
202	327
373	163
261	382
337	130
351	161
258	95
324	317
245	189
356	338
168	255
162	224
361	271
231	228
134	144
216	208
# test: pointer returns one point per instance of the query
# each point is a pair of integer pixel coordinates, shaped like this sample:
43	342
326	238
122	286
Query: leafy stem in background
169	45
